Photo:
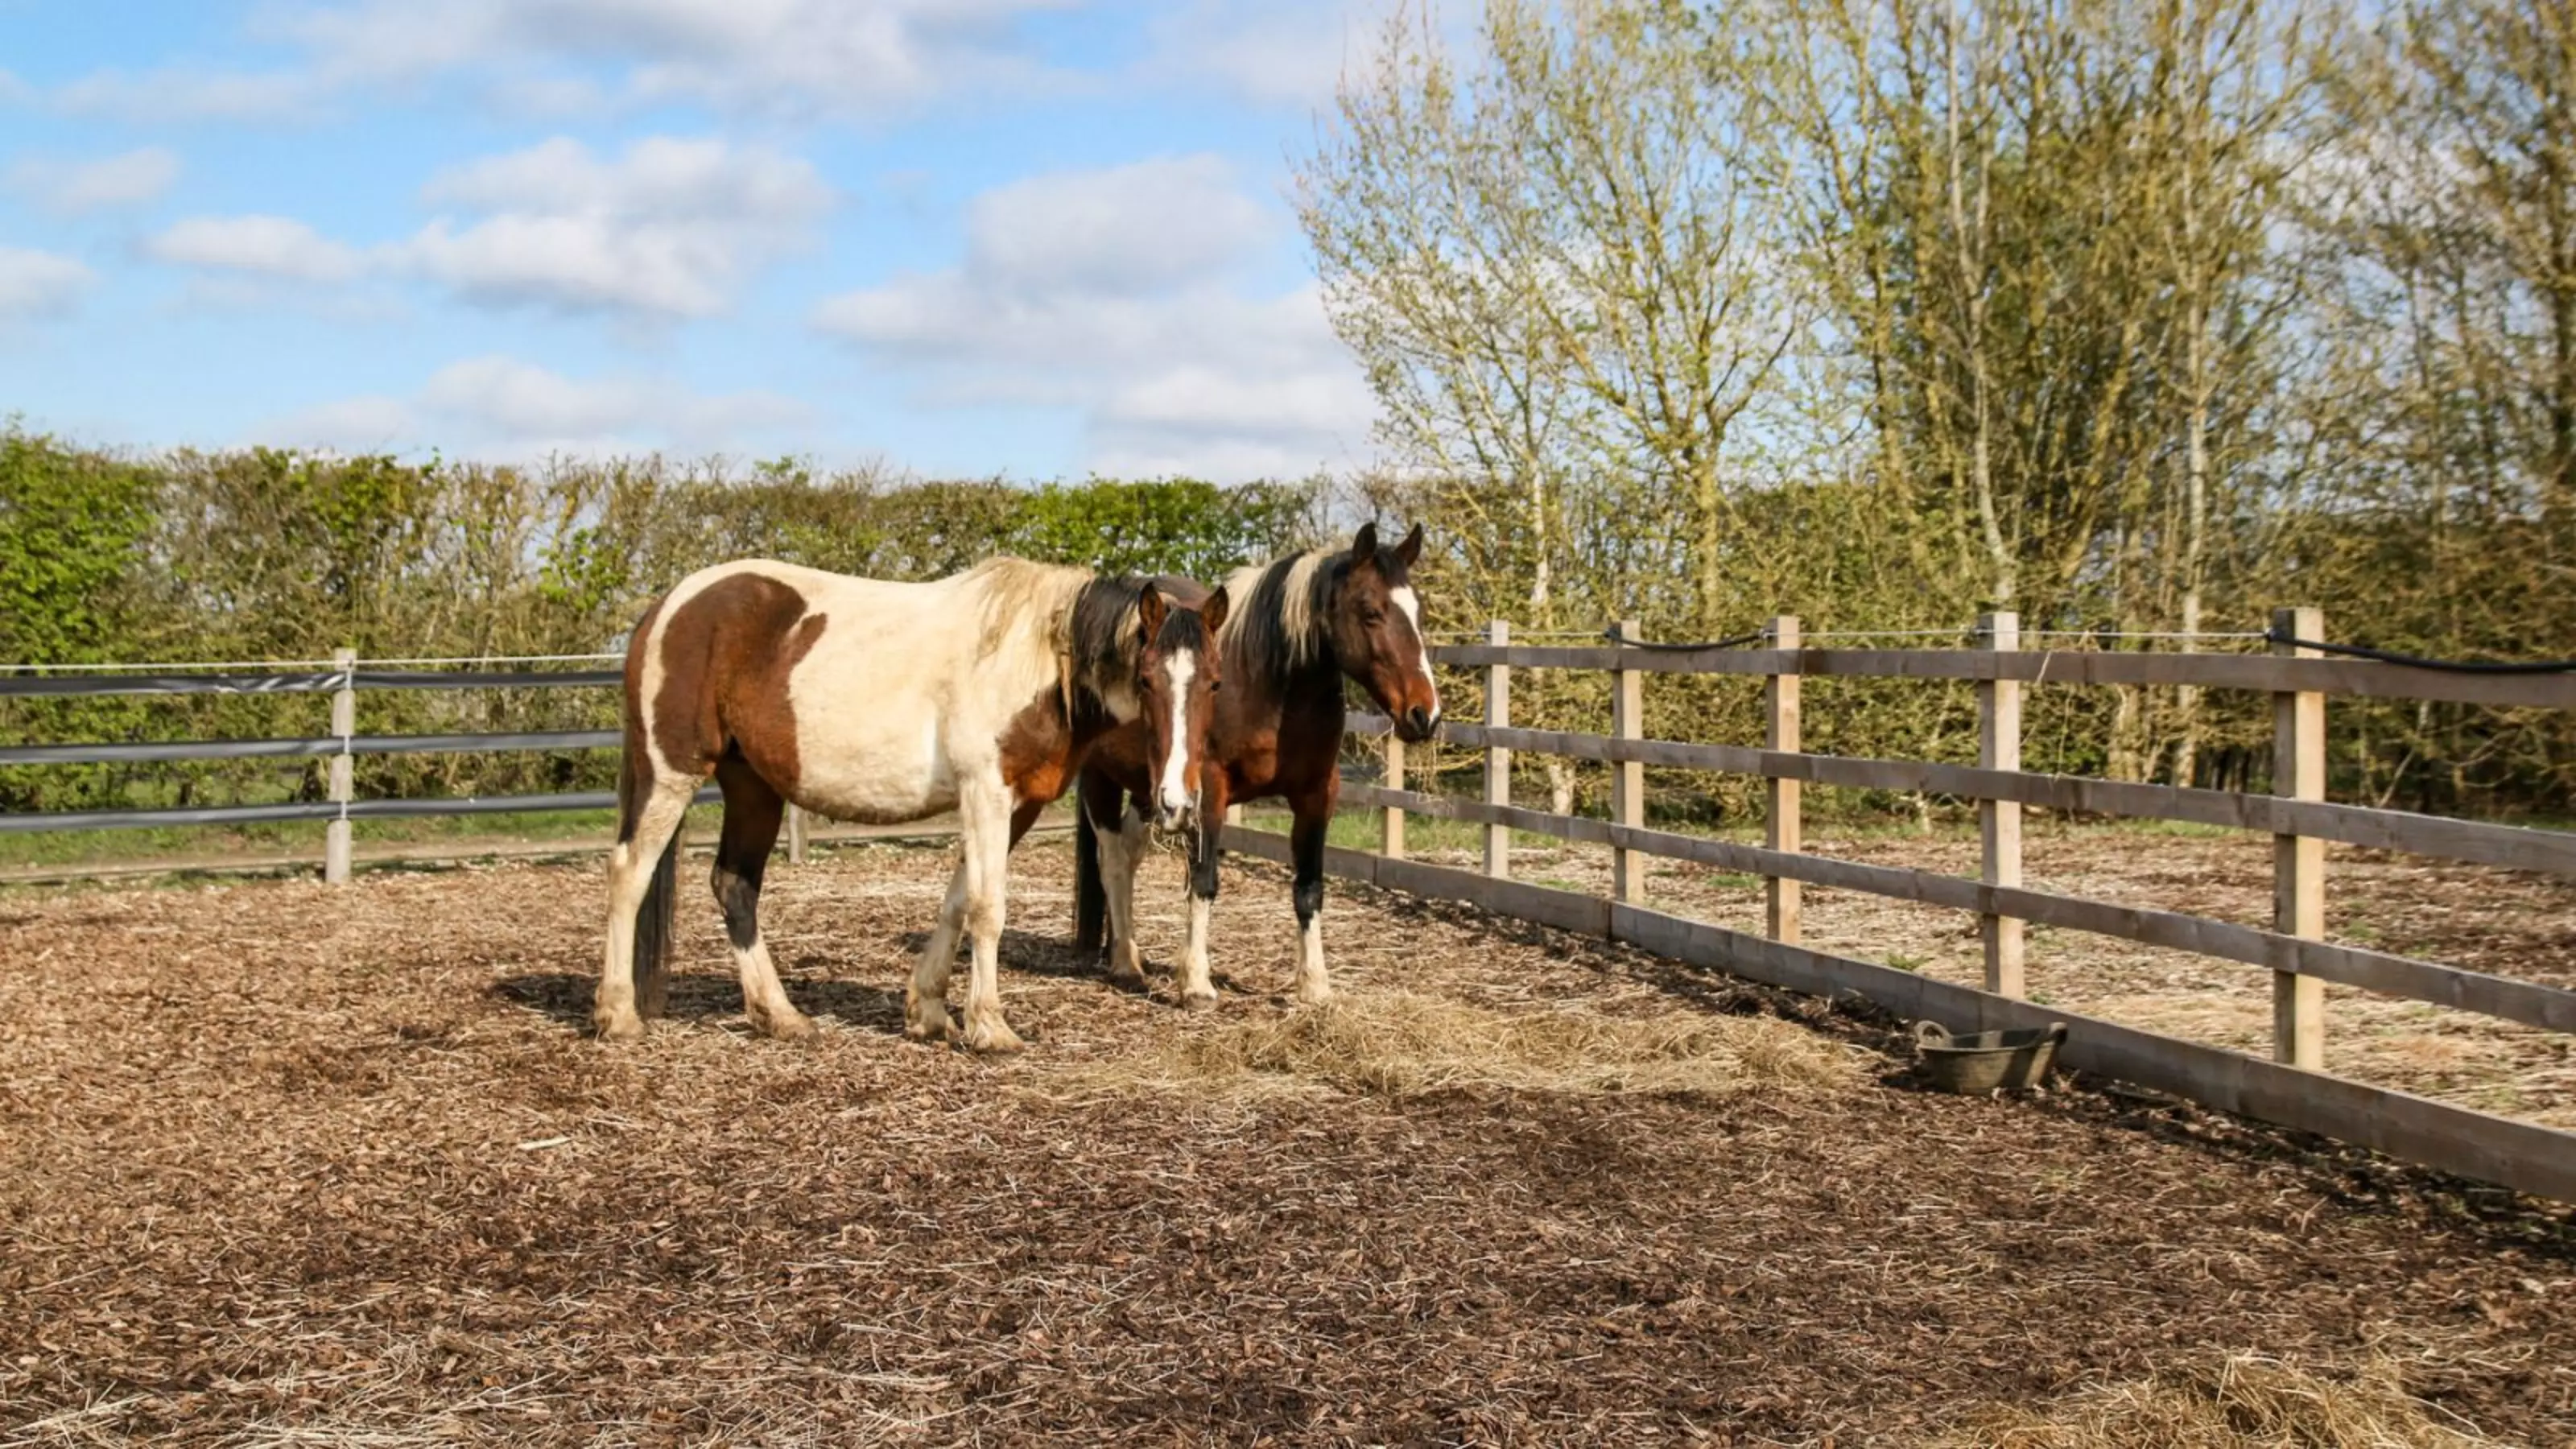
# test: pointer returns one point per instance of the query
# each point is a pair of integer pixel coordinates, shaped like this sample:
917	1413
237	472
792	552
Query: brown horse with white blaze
863	700
1299	626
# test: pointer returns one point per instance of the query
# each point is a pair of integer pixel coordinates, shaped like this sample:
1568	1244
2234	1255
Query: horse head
1177	677
1376	632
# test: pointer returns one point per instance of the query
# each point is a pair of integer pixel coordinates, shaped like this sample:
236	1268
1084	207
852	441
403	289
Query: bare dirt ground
2510	923
286	1164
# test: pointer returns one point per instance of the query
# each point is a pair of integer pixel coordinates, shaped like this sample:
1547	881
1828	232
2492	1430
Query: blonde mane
1276	625
1025	606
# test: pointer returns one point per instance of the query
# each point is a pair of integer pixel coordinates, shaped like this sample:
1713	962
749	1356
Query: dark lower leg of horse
753	812
1306	848
1097	804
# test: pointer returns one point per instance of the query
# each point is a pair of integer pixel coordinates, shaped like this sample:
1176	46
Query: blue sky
1032	237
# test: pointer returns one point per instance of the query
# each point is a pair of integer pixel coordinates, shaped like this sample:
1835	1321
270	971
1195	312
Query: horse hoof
1129	979
935	1030
992	1038
794	1026
1313	993
1198	1001
623	1027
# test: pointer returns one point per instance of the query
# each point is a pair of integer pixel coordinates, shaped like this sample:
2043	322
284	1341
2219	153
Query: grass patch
1402	1045
2243	1400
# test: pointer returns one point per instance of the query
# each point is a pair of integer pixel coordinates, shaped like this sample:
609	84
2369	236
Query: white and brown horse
879	702
1300	625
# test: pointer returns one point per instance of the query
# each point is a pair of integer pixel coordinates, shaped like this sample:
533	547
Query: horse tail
653	918
1090	897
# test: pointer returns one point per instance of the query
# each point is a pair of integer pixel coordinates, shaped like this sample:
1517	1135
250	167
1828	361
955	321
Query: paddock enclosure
1611	1139
287	1163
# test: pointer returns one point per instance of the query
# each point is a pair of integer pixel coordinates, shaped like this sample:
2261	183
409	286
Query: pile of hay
1402	1045
2242	1401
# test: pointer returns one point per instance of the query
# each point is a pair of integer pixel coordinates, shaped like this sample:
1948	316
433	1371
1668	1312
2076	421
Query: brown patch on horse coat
744	634
1041	753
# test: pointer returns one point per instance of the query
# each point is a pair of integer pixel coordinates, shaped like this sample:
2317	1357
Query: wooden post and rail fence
2291	1089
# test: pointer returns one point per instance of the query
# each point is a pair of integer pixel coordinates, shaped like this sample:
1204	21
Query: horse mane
1025	605
1276	627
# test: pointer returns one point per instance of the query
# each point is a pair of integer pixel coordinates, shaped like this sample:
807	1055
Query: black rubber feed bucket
1988	1059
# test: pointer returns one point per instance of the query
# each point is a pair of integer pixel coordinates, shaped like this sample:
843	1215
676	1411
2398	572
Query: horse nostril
1420	719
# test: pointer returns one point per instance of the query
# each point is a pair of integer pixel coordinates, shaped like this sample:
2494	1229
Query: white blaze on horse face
1179	668
1411	605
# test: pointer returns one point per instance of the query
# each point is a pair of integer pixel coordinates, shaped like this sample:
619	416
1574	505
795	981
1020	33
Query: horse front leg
1207	854
1314	818
985	812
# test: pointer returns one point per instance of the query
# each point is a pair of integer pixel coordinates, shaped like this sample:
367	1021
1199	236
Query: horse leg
1207	851
985	812
632	869
925	1002
1121	852
1314	816
753	812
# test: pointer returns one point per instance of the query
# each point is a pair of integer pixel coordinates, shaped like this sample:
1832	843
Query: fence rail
2257	673
342	682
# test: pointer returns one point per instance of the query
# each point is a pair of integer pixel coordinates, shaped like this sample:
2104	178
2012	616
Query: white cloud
1272	52
670	228
1109	292
39	284
68	188
813	56
509	408
268	246
183	93
1128	228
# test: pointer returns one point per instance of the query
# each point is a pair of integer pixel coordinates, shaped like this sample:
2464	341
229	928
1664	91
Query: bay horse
1300	626
880	702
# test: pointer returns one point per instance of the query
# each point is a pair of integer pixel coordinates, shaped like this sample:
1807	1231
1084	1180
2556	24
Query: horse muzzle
1175	815
1416	724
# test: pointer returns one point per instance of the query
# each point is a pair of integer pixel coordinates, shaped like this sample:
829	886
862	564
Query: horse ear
1411	549
1150	611
1212	613
1364	547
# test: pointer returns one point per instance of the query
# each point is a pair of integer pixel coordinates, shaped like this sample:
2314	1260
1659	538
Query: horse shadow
1057	958
710	996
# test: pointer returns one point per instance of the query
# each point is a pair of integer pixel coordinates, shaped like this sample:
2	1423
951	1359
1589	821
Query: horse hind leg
753	810
1121	851
925	1001
639	903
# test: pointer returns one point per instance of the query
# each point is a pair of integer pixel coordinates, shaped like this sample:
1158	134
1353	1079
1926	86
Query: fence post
1999	821
2298	861
1498	762
337	855
1785	829
795	836
1628	777
1391	824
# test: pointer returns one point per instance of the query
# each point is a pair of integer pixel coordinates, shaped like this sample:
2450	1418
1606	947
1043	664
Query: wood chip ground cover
286	1164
